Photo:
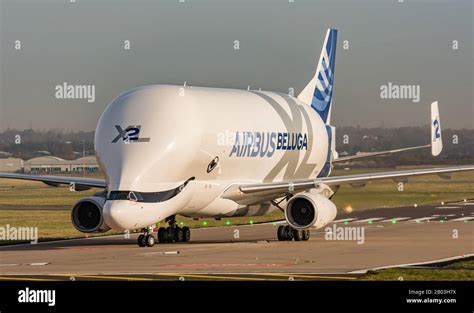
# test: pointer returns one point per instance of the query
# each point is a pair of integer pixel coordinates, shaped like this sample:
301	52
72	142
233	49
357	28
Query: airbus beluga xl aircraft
201	152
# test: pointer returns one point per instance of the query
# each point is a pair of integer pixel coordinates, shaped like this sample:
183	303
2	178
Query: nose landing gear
147	239
288	233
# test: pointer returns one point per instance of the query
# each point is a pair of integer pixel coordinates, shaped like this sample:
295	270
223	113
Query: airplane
221	153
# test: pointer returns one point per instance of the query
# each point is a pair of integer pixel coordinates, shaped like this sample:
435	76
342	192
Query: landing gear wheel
281	233
150	240
306	235
178	235
298	234
186	234
162	235
288	233
170	235
141	241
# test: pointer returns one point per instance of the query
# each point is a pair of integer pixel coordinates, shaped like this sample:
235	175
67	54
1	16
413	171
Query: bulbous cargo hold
153	139
145	137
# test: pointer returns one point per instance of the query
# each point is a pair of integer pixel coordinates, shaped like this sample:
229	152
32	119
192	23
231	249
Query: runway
392	236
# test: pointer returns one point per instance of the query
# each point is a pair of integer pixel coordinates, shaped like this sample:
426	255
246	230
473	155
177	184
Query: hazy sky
408	43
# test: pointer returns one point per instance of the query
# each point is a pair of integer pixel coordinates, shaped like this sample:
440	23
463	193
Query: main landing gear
170	234
173	233
288	233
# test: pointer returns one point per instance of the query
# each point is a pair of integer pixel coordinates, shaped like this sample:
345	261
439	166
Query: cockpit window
150	197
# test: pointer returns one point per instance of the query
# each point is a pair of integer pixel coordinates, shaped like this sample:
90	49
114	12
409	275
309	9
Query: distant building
11	165
88	163
52	164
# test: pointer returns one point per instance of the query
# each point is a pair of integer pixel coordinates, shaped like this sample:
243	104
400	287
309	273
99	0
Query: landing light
227	223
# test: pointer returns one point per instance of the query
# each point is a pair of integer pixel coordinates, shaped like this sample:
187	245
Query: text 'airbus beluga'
199	152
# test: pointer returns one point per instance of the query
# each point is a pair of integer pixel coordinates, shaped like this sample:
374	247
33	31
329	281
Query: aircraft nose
118	215
124	215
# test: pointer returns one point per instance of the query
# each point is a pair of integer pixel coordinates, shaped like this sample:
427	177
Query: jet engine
87	215
310	209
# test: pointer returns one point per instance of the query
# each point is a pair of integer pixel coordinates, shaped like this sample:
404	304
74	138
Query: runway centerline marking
462	219
344	220
38	264
370	220
397	219
423	219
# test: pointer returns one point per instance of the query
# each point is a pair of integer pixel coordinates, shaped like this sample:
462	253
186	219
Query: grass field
33	204
461	270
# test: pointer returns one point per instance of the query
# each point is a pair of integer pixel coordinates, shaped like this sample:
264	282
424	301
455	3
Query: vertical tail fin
319	90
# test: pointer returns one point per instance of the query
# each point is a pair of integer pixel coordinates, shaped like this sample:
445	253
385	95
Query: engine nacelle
87	215
310	209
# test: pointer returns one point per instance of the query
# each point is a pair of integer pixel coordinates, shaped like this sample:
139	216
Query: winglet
436	140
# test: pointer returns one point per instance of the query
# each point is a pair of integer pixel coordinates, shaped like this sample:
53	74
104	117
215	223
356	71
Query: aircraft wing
248	193
374	154
78	183
436	141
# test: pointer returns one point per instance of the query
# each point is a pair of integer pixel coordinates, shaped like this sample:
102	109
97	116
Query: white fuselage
155	138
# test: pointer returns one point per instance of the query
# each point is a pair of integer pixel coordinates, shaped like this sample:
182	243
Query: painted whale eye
213	164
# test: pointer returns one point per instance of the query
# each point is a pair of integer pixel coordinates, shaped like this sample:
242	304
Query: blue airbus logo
264	144
129	134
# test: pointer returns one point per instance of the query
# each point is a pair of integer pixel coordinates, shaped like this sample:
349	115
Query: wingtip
436	139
